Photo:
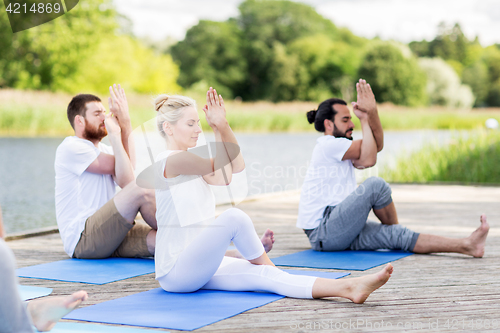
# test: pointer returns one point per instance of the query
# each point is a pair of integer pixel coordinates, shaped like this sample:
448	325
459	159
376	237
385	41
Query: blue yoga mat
93	328
30	292
181	311
160	309
348	260
93	271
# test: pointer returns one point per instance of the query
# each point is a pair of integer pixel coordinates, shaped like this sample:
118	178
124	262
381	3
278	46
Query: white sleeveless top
184	206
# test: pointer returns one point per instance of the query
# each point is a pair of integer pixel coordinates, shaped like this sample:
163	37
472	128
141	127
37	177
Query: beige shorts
108	234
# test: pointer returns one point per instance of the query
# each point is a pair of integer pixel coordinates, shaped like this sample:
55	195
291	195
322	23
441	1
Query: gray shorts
346	226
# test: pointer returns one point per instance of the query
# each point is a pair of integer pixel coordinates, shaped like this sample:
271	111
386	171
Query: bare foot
268	240
45	313
365	285
477	239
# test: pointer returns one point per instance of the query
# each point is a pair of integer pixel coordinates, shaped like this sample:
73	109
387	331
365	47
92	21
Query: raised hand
112	125
366	102
215	111
118	104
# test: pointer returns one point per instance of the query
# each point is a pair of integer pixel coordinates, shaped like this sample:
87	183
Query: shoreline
253	198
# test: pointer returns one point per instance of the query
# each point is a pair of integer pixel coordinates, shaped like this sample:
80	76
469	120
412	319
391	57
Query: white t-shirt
79	193
183	210
329	180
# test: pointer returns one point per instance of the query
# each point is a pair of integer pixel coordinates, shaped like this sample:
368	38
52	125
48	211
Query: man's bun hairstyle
325	111
311	115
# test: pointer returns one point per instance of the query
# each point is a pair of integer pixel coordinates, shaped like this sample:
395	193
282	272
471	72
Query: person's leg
387	214
344	222
103	233
240	275
132	199
112	231
376	235
13	314
139	242
267	241
356	289
472	245
199	261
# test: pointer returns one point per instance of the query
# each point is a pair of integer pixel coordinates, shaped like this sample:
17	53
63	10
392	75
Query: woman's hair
325	111
170	109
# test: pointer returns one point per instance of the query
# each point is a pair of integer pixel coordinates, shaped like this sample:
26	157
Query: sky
401	20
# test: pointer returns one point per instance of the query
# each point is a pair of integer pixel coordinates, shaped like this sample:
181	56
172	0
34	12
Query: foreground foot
476	241
45	313
365	285
268	240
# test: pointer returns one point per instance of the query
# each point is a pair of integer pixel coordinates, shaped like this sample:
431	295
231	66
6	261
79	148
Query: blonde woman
191	242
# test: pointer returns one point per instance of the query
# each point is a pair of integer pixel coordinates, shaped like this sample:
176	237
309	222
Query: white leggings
202	264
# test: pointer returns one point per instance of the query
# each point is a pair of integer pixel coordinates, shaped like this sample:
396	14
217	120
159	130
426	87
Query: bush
444	86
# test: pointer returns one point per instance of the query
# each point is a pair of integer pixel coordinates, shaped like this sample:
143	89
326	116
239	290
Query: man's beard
338	134
94	133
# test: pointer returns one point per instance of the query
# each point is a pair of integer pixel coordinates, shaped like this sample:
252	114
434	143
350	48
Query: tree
330	67
255	56
393	77
264	23
288	75
136	67
211	51
450	44
421	49
50	53
491	59
476	76
83	50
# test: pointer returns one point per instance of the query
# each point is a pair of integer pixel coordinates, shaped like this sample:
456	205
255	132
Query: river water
274	162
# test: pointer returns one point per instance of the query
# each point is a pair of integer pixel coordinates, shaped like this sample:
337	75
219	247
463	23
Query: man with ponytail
333	212
93	221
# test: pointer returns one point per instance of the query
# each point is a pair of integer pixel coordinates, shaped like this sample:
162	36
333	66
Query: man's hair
77	106
325	111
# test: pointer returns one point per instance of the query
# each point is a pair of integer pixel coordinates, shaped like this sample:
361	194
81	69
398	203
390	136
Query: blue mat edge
72	280
47	293
343	274
404	253
71	323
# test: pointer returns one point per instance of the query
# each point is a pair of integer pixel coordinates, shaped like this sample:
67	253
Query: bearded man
333	210
94	221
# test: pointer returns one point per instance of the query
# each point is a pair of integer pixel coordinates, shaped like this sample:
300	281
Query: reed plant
471	159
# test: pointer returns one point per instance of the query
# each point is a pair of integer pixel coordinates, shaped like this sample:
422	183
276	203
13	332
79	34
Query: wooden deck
447	292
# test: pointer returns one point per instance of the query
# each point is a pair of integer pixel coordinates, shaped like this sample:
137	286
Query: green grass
28	113
32	121
471	160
